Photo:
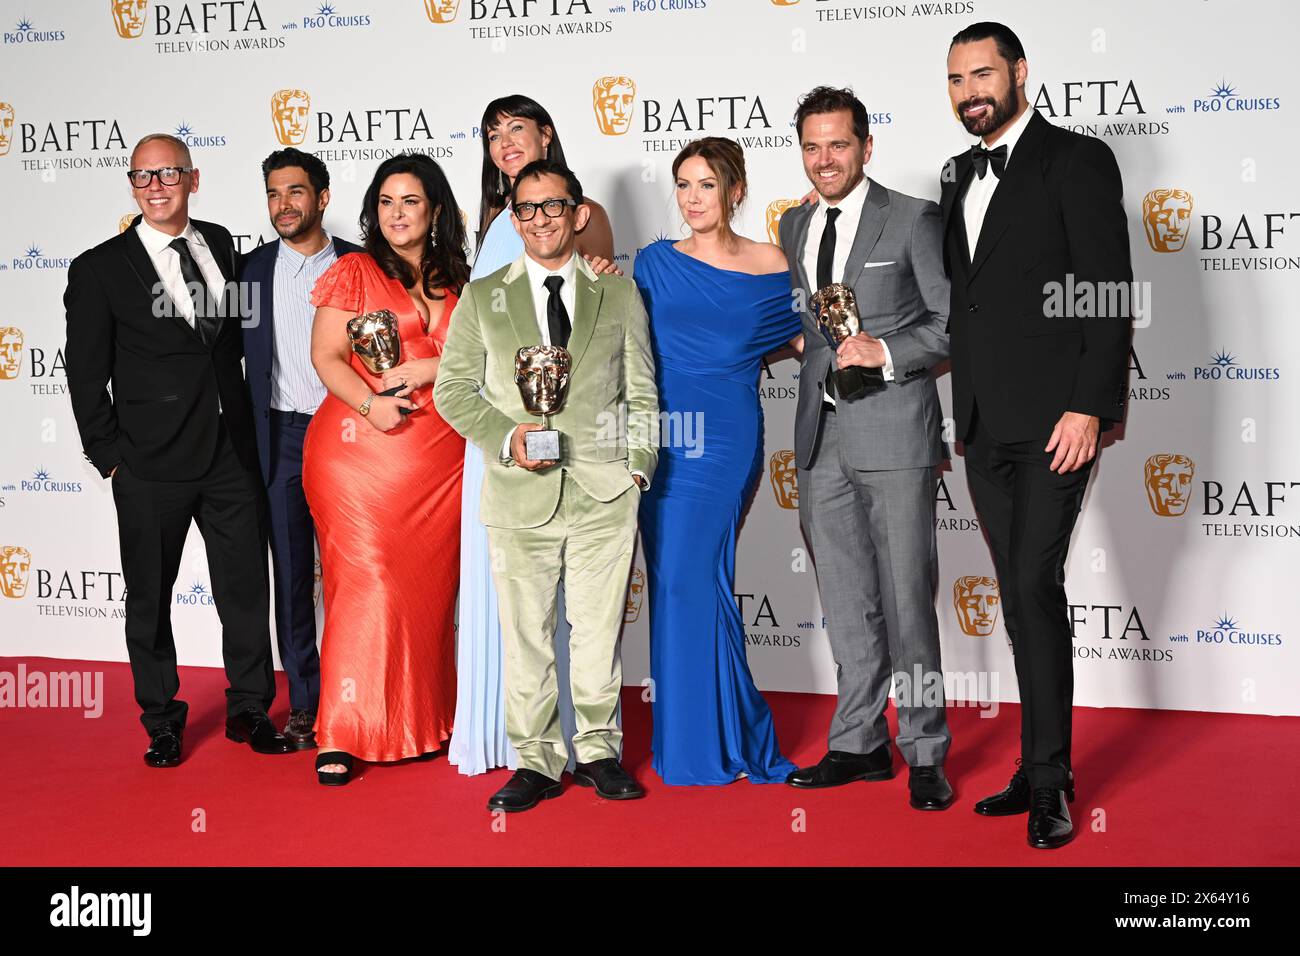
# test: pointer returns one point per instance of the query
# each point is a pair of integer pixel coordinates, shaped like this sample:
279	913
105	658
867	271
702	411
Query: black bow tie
983	158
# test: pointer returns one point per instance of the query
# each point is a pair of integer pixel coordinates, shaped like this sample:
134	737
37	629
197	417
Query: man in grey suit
867	461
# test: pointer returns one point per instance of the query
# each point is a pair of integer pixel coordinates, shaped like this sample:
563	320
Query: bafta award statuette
375	340
836	310
542	374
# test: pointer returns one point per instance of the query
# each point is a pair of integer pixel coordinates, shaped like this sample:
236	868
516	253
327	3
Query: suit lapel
1006	198
224	256
586	306
520	310
799	239
137	257
875	211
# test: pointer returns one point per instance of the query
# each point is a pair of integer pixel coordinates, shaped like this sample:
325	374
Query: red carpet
1155	788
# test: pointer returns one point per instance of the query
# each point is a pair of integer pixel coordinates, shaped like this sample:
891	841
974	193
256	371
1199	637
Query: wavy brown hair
443	263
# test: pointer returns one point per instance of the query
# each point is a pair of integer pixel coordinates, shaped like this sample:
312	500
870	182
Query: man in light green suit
574	518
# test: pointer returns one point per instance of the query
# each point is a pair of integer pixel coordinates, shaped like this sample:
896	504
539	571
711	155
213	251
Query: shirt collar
851	205
1012	135
537	272
295	260
155	240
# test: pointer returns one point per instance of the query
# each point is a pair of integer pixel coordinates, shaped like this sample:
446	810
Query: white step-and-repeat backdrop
1182	576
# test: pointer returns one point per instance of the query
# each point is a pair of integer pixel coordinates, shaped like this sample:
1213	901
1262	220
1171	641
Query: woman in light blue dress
516	131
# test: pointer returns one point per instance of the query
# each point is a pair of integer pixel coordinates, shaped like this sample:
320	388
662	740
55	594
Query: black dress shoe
929	788
256	729
1015	797
164	745
526	789
298	731
610	780
839	767
1050	825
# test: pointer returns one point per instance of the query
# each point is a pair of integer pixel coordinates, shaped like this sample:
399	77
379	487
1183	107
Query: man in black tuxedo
1024	209
148	315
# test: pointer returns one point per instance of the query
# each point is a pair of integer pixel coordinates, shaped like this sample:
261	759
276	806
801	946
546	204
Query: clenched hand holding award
836	309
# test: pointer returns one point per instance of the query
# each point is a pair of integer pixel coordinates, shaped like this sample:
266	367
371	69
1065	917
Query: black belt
290	418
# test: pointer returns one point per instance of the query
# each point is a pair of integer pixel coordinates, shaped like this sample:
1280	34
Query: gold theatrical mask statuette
612	97
376	341
635	595
442	11
289	112
542	374
6	127
976	598
15	566
11	351
129	17
1167	218
775	210
836	309
1168	480
783	473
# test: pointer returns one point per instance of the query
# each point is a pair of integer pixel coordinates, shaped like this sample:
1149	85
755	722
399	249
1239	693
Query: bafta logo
6	127
1168	479
784	475
11	351
1167	218
976	599
128	17
15	564
784	3
613	98
635	595
775	210
124	223
289	111
441	11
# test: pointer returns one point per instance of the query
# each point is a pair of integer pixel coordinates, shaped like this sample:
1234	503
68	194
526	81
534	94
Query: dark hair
311	165
443	262
1009	46
727	162
494	189
827	99
549	167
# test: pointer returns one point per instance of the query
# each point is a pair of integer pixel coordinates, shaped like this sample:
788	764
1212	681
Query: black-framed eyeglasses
167	175
553	208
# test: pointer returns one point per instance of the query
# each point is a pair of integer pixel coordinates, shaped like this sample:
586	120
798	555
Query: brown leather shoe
299	730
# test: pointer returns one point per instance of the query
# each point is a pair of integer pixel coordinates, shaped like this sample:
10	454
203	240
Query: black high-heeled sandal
332	778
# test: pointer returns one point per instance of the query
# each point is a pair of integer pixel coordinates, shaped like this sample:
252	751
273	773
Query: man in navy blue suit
286	392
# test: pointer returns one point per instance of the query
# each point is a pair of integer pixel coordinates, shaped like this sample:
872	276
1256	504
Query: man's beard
299	226
1002	110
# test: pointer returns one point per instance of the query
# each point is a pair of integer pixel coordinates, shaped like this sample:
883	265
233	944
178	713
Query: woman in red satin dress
384	487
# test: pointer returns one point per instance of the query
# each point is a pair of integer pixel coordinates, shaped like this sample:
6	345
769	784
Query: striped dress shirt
295	387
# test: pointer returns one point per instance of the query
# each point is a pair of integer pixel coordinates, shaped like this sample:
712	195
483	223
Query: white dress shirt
846	229
167	262
980	191
295	386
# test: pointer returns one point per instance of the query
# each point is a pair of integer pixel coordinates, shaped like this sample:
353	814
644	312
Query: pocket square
877	265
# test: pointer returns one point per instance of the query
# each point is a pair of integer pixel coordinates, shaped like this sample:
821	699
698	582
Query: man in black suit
148	316
1032	388
286	392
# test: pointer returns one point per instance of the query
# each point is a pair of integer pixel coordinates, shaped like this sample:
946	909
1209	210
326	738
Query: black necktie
205	323
984	158
826	251
557	316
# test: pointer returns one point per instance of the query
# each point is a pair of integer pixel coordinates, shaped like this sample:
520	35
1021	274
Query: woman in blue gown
717	303
516	131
